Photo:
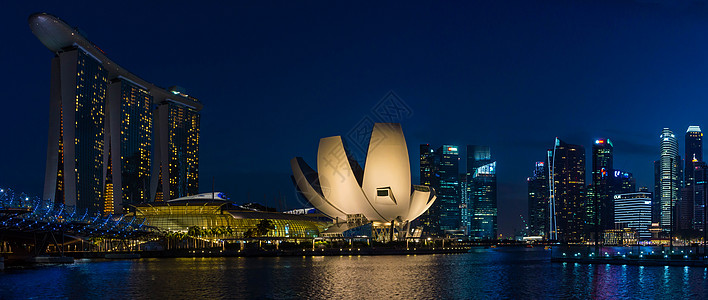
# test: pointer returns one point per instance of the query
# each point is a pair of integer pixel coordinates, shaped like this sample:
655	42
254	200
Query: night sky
275	78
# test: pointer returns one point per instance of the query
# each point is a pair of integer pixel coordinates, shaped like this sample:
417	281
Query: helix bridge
31	225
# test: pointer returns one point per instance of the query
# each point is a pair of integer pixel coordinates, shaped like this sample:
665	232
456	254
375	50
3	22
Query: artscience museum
379	194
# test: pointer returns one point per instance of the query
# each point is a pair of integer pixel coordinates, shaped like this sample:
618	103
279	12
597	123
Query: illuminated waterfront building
222	218
177	155
380	193
104	131
667	179
567	191
633	210
538	201
482	192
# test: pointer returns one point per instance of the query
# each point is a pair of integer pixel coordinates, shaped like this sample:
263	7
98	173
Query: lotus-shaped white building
381	191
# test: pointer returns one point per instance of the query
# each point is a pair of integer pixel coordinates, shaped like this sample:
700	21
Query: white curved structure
382	192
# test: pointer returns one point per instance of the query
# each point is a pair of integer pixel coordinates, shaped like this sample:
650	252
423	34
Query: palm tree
264	226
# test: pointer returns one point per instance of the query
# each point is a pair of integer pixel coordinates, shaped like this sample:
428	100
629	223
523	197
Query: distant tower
694	152
430	219
668	179
482	187
448	191
567	191
690	207
538	200
440	169
602	183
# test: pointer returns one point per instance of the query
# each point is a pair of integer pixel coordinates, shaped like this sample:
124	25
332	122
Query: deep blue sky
275	78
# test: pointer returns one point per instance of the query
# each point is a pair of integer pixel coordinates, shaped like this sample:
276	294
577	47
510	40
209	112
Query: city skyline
287	75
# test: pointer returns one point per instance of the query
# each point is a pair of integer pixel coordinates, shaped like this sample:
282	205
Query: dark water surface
485	273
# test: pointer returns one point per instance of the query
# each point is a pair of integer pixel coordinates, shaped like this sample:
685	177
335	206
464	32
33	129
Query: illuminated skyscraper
693	151
602	183
482	191
131	144
428	164
77	134
440	169
567	179
177	156
633	210
538	200
448	189
102	126
690	207
667	169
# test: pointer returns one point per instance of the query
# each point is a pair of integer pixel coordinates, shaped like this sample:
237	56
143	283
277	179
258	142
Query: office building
567	191
693	152
482	191
633	210
448	190
538	204
428	164
602	184
667	179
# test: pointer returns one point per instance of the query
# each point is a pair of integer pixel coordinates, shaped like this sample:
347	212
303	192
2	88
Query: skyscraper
602	183
103	126
689	209
567	179
440	169
130	125
623	182
538	200
465	205
448	190
428	164
693	151
176	172
633	210
482	190
667	170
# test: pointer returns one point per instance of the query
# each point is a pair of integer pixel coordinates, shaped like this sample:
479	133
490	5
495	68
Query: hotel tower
114	138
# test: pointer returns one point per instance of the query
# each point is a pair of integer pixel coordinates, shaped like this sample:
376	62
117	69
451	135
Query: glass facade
633	210
538	201
693	152
136	145
668	179
90	104
181	217
183	144
567	172
602	184
482	190
448	190
428	164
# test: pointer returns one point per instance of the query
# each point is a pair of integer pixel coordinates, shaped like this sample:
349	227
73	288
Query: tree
263	227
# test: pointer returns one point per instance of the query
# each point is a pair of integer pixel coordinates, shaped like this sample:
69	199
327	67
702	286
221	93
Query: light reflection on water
484	273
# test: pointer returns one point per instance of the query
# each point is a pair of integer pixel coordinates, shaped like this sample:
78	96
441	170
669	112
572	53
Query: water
516	273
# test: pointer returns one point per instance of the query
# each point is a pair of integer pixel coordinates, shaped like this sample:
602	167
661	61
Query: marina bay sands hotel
114	138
